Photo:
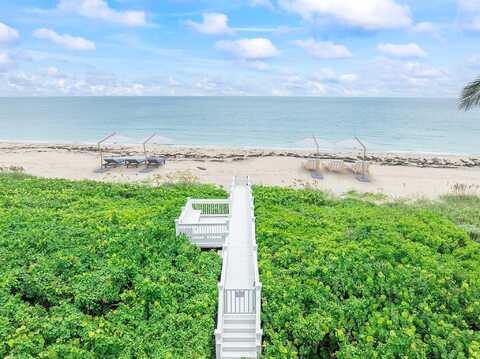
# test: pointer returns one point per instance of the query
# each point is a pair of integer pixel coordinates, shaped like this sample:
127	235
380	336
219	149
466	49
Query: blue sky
238	47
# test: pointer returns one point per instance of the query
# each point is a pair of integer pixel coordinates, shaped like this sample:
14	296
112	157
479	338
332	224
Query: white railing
211	234
204	233
258	284
239	301
221	289
211	207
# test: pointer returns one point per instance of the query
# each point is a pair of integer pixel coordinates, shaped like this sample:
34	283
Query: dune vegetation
352	279
92	270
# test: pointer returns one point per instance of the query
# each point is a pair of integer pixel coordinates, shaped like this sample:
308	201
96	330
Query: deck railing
204	233
239	301
211	207
211	234
258	284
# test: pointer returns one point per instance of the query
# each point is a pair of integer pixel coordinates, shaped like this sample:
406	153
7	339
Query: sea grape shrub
94	270
349	279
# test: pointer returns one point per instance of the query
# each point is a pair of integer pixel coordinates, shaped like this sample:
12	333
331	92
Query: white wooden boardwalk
240	247
230	225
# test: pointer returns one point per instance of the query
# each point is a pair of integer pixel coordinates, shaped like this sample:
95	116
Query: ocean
386	124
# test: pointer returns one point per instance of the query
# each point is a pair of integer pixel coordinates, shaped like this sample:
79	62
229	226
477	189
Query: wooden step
239	321
240	355
239	337
239	347
244	328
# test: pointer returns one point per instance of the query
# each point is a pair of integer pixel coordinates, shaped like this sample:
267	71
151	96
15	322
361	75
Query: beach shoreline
393	175
389	158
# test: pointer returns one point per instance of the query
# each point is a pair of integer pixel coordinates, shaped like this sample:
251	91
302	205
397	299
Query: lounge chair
361	167
134	161
113	161
156	161
336	166
314	167
309	165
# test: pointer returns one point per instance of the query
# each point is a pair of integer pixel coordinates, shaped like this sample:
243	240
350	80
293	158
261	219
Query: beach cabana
158	140
113	139
314	164
360	168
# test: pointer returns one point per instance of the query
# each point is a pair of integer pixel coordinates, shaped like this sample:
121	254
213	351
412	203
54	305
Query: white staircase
230	224
239	336
239	333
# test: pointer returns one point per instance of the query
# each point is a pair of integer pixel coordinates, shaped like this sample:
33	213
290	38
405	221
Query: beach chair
309	165
361	167
156	161
113	161
314	167
336	166
134	161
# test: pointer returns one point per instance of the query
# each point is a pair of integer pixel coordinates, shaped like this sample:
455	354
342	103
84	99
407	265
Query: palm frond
470	96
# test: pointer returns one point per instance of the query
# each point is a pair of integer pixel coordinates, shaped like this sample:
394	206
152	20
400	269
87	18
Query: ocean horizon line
233	96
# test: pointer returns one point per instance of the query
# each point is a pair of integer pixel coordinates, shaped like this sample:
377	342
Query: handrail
184	211
209	201
240	300
258	284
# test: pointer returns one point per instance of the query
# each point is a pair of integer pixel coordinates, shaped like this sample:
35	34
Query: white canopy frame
99	145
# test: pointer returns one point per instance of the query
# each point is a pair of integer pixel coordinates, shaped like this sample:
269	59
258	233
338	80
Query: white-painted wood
230	224
205	222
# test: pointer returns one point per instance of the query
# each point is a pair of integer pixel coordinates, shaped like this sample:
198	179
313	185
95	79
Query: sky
377	48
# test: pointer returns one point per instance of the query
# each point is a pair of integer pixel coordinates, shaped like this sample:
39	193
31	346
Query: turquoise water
388	124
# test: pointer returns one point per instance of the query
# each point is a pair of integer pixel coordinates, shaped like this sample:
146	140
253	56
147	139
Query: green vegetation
463	210
351	279
94	271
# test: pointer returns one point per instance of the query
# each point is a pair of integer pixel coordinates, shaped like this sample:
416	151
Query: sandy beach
394	175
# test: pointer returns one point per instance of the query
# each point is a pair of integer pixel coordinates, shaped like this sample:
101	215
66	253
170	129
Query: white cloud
258	65
68	41
329	75
473	24
348	78
425	27
6	62
364	14
324	49
469	14
8	34
249	49
316	88
213	23
469	5
99	9
402	50
263	3
420	71
474	61
52	71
